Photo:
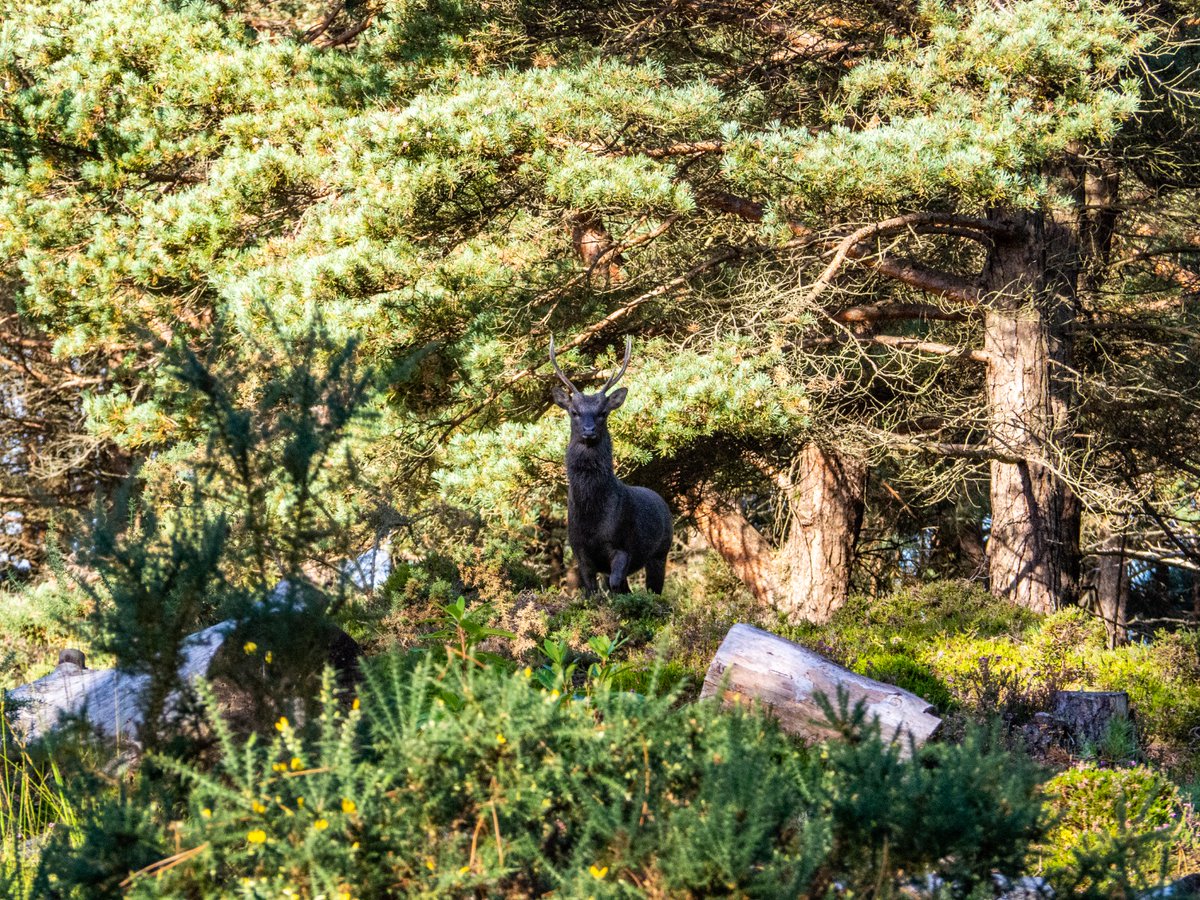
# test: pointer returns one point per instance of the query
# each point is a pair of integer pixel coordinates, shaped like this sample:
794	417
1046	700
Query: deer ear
561	398
615	399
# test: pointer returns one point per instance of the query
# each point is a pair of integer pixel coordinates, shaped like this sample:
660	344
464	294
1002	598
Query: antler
624	365
558	371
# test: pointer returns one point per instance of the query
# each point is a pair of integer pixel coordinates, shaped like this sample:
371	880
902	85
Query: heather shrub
994	660
1117	831
907	673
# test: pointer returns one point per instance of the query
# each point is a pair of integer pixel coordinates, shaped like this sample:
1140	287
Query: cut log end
1087	715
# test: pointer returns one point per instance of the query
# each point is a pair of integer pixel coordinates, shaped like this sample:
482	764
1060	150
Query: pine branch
891	312
903	343
933	281
687	148
942	448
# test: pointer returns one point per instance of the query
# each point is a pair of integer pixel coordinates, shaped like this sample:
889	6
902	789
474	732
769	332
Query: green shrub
995	660
453	778
1117	831
1163	682
911	619
38	621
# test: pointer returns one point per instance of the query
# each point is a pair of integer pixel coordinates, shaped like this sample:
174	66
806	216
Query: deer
614	529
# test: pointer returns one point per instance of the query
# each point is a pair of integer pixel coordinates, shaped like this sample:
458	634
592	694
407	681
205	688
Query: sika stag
613	528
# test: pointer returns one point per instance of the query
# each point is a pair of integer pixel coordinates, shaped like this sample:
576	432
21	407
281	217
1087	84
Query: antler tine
558	371
624	365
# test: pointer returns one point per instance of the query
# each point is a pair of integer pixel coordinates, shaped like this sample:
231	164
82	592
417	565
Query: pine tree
864	239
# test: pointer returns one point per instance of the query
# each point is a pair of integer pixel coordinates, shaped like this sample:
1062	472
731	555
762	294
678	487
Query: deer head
589	412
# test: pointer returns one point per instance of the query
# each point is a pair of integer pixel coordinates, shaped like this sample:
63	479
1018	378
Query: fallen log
753	666
110	701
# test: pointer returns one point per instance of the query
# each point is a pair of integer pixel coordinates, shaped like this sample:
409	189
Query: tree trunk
958	549
1111	582
808	577
1033	542
739	543
826	506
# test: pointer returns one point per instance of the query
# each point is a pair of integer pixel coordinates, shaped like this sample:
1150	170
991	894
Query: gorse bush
448	777
241	534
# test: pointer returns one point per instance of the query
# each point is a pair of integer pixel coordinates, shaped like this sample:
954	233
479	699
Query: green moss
994	659
905	672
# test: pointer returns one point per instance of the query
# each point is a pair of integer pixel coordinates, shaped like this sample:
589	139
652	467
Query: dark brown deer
613	528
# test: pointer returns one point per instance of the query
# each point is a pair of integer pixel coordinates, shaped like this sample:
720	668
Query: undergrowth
963	649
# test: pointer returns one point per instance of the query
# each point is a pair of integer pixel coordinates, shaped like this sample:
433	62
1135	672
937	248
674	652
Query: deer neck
589	469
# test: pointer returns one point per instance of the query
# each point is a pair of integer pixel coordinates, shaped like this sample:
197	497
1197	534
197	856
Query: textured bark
1112	593
958	549
1033	542
739	543
1088	714
808	577
1100	187
596	250
826	503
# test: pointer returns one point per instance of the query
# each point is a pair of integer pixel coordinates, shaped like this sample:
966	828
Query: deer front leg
618	569
587	576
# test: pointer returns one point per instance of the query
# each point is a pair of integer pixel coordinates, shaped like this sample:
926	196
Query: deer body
614	529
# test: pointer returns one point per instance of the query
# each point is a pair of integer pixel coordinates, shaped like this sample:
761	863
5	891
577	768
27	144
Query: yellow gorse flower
249	647
598	871
258	807
348	806
297	763
269	656
257	836
356	704
282	724
501	739
321	824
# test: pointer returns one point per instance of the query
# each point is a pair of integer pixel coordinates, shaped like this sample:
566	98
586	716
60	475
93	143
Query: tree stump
753	666
1086	714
